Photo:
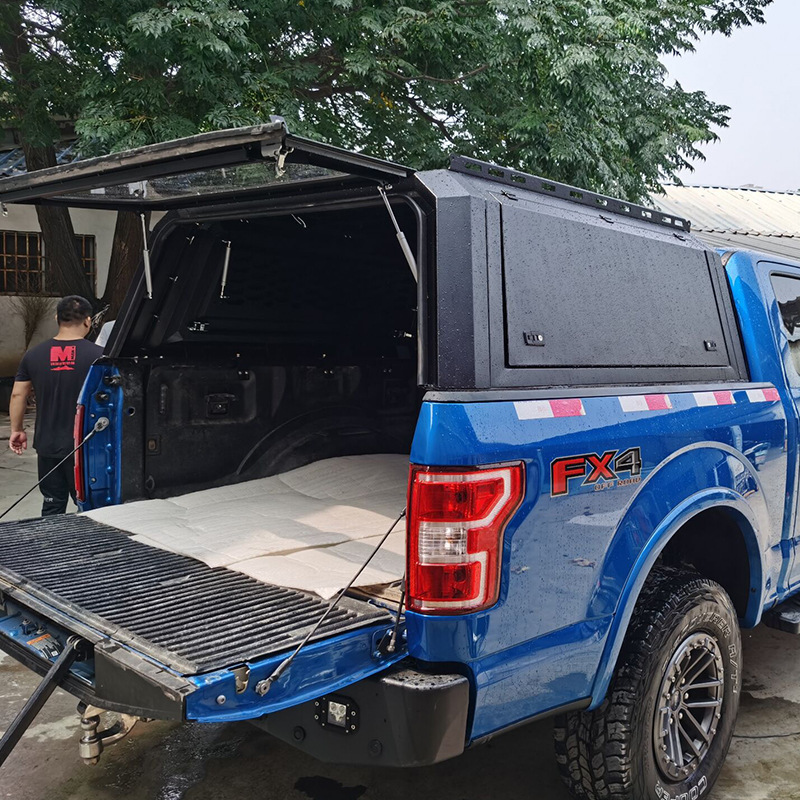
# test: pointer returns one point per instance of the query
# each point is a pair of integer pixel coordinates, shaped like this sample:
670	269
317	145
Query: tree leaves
571	89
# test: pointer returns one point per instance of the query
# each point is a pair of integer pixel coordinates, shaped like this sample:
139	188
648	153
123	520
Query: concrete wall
99	224
12	335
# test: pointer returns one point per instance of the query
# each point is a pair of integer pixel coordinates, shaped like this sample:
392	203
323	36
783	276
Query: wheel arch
672	541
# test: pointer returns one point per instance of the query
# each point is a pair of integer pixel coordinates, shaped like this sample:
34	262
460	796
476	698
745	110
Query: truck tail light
456	521
77	435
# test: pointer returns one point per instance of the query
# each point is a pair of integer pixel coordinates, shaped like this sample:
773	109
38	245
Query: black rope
766	735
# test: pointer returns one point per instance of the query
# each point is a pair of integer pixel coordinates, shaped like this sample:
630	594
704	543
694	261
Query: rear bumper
400	718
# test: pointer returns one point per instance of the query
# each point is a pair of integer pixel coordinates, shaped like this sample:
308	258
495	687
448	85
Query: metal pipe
39	697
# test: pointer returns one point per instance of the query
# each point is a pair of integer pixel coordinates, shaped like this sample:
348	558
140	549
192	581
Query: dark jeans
58	487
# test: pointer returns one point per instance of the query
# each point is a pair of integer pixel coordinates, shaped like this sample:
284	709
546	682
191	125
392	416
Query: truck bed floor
308	529
175	609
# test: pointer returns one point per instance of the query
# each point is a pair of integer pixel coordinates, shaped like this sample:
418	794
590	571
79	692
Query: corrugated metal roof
12	162
747	219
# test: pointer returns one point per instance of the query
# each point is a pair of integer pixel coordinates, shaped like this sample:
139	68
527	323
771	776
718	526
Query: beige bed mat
309	529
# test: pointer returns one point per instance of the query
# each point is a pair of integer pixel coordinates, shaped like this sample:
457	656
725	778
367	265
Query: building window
20	263
88	251
23	261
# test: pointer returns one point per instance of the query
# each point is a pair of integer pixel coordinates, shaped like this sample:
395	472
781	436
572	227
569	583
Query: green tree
38	85
570	89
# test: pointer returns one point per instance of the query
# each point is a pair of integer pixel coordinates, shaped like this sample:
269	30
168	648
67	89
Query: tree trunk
64	272
126	253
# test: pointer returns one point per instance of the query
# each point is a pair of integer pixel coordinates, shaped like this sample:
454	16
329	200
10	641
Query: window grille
23	261
20	262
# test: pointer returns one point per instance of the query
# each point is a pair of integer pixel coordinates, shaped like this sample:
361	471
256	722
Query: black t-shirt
57	368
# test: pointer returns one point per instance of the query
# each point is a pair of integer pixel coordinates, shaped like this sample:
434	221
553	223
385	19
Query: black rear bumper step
174	609
404	717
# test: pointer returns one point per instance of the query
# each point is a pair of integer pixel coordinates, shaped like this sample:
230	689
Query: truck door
784	286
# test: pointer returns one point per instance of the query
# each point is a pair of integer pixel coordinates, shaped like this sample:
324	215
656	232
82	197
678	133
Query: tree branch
437	123
318	92
431	79
44	28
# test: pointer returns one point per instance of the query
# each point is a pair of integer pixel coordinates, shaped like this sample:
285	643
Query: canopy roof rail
534	183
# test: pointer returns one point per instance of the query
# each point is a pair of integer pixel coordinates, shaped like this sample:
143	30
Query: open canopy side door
200	170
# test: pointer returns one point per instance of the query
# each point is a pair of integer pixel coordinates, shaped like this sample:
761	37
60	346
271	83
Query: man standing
55	370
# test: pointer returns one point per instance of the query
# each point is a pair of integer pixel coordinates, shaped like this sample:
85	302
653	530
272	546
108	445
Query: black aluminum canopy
200	170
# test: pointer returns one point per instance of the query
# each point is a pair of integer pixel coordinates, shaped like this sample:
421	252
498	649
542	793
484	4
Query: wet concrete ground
167	761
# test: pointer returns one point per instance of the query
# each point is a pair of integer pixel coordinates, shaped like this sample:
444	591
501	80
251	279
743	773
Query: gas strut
401	237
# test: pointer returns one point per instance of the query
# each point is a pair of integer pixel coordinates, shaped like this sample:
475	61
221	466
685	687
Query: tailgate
169	635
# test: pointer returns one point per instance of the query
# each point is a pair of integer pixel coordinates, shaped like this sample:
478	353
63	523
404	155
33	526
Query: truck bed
175	609
309	528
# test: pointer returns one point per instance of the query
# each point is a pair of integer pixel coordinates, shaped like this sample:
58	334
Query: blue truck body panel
571	563
102	455
320	668
574	563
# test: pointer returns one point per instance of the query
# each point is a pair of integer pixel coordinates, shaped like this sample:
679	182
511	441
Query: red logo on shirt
62	358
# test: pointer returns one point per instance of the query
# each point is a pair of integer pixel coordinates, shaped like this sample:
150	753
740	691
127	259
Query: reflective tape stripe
762	395
545	409
714	398
567	408
645	402
573	406
533	409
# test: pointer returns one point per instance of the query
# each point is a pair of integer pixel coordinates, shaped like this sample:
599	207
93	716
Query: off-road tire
610	753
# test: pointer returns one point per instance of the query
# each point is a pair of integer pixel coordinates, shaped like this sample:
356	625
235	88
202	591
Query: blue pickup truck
596	421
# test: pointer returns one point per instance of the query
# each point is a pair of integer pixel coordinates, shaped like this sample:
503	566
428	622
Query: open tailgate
167	635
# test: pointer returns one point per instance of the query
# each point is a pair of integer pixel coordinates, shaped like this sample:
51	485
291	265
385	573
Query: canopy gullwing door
201	170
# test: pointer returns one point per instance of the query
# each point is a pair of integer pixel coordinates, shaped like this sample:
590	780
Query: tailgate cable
262	687
100	425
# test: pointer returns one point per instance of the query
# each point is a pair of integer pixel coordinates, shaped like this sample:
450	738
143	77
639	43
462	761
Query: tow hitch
42	692
93	742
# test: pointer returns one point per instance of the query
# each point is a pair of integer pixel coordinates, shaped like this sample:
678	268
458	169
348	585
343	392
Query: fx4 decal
600	471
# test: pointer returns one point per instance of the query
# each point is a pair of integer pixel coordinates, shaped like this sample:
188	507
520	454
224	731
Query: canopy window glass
787	293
